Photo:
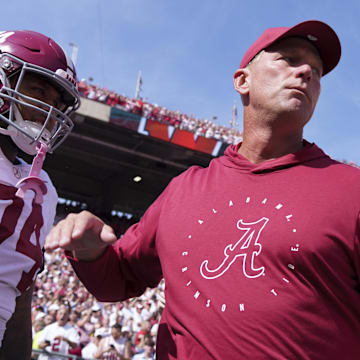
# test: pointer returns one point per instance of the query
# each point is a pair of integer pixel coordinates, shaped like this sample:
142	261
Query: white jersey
51	334
23	228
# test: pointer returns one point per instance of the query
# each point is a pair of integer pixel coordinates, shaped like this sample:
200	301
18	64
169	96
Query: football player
38	92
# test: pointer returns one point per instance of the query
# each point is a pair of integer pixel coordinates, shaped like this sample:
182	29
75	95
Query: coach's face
285	79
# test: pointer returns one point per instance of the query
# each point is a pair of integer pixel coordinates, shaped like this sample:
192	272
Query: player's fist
83	233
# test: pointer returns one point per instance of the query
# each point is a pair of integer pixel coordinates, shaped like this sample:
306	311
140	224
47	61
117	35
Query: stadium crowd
69	320
201	127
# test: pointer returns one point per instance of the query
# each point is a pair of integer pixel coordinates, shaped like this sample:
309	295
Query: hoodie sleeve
129	266
357	247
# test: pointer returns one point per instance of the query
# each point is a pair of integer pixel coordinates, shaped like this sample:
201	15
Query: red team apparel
261	261
23	227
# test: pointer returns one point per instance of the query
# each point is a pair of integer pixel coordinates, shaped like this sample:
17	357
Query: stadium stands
58	285
201	127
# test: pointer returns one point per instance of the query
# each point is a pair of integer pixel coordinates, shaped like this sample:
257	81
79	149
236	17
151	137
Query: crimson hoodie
260	261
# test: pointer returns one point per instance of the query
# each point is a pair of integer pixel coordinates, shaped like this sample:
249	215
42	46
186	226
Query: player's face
286	79
38	88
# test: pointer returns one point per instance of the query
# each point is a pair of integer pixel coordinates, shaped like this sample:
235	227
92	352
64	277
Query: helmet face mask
52	124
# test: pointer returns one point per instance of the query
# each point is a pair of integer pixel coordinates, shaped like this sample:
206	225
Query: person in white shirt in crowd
147	310
104	328
137	316
148	352
59	337
116	317
96	314
126	310
116	343
89	351
53	308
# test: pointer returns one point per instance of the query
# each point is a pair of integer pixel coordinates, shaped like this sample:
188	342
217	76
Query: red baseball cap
321	35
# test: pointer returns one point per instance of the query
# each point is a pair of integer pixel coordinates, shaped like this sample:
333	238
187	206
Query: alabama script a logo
247	248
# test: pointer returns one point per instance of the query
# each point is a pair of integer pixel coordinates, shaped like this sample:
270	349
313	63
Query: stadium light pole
74	53
233	122
138	85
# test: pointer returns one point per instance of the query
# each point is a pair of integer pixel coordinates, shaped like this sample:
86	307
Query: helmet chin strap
33	181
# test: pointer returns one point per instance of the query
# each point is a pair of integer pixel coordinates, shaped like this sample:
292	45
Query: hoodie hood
309	153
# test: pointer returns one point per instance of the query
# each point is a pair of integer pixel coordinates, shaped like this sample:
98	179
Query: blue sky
188	51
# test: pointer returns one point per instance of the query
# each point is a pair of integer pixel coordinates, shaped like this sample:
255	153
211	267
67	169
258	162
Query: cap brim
323	37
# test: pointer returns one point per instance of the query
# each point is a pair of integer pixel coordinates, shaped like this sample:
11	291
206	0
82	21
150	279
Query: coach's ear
241	81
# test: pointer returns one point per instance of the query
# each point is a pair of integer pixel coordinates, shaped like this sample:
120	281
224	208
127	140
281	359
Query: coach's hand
84	234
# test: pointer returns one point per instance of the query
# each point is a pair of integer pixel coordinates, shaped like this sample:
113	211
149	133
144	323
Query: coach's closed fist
84	234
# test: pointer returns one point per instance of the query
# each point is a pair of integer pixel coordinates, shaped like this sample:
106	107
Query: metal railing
52	355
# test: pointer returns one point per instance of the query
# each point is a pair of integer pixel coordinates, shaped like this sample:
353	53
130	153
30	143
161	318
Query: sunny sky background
188	51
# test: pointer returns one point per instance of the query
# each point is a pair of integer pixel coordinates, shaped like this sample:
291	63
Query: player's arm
17	342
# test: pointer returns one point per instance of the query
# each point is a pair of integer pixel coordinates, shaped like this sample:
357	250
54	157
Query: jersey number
32	225
55	345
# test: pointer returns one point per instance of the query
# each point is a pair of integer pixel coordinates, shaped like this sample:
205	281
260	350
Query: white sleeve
43	335
73	336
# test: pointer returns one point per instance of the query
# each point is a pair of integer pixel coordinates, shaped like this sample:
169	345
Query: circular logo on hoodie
234	252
